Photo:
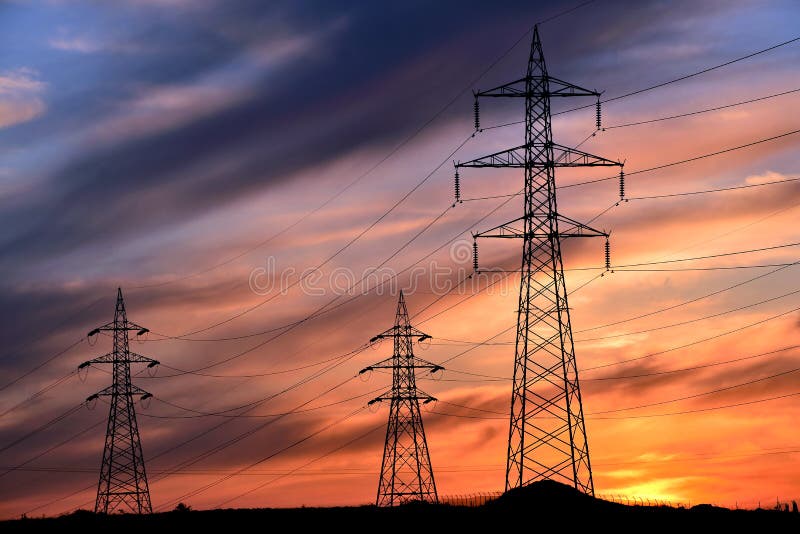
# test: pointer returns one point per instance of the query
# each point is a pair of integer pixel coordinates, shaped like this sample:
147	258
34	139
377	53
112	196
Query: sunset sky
191	152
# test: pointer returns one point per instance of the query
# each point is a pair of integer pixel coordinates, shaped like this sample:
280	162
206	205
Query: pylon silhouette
406	472
123	479
547	434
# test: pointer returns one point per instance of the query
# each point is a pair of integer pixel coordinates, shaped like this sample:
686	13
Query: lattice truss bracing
123	479
547	434
406	472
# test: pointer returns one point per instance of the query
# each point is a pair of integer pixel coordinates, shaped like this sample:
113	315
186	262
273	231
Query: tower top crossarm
120	326
521	88
120	321
537	83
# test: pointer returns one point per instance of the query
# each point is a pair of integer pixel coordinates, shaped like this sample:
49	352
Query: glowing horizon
179	157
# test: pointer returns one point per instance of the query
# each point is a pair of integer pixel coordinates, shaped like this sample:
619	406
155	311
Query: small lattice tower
406	472
123	479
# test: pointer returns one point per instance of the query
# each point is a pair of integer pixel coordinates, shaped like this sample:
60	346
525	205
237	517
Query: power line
717	108
693	343
181	466
295	470
181	372
709	256
509	328
261	460
41	392
645	356
52	448
254	404
653	329
686	302
380	162
439	113
689	269
45	426
681	162
685	77
718	190
558	15
487	340
690	321
643	416
626	266
705	457
670	117
224	413
234	440
343	248
621	268
696	395
700	410
495	378
322	310
39	366
437	299
648	374
64	321
694	367
662	166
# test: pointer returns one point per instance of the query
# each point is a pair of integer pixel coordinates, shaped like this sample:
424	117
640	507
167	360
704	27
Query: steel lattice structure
123	480
547	435
406	472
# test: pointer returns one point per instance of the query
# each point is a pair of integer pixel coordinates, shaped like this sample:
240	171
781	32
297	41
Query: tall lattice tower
406	472
123	480
547	435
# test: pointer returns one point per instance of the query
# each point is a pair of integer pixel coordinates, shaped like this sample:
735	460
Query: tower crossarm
110	357
401	395
138	358
127	325
567	228
520	88
402	331
411	362
109	391
563	156
511	157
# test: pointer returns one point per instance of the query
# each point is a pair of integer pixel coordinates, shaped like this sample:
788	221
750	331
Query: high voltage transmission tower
547	435
123	480
406	472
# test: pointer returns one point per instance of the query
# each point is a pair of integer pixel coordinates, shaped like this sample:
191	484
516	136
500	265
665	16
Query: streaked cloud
149	169
20	97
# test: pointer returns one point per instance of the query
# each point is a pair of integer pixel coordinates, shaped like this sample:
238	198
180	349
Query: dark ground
542	505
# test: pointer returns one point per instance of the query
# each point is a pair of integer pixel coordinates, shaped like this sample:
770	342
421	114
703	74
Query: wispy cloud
20	99
164	107
67	41
767	177
75	44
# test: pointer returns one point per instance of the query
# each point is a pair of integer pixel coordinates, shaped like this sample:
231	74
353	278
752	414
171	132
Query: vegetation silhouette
538	503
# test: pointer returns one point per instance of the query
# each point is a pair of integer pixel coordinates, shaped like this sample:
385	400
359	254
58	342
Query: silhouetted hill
540	505
548	495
